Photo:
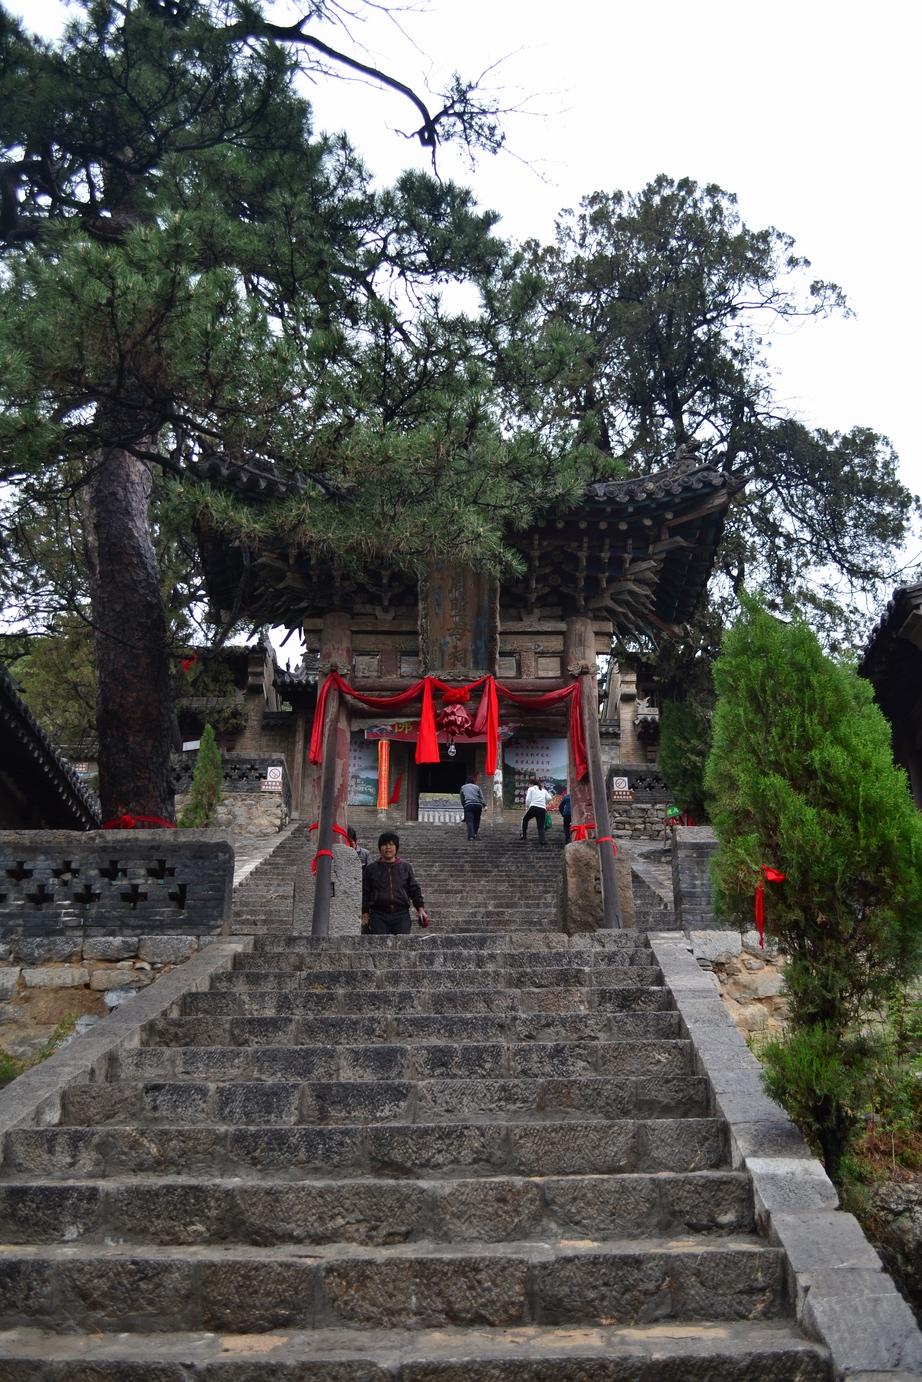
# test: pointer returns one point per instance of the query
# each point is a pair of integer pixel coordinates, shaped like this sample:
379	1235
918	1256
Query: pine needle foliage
207	781
801	778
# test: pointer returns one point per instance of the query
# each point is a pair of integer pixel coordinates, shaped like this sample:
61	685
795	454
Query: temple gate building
633	556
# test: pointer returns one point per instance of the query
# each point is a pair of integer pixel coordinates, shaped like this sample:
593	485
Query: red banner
486	720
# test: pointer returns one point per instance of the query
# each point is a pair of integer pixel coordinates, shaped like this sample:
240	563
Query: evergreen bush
801	778
207	782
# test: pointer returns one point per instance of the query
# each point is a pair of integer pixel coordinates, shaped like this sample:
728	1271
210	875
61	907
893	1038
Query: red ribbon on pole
581	832
325	853
772	876
607	840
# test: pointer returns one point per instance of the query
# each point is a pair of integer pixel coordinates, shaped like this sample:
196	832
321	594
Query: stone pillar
298	756
458	621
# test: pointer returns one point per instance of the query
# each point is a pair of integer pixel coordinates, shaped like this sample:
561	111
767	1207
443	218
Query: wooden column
579	651
580	636
297	759
335	653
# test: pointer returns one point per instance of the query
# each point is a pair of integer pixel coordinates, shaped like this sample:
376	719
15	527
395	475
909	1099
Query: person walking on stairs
389	887
473	804
566	815
536	800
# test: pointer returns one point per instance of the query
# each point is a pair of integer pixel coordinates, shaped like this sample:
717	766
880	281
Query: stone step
457	961
339	1028
571	1146
419	1061
277	1003
594	973
253	1290
279	1102
750	1351
452	1001
421	941
428	977
376	1212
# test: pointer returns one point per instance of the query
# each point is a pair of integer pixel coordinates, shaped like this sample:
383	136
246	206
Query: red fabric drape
772	876
542	700
486	720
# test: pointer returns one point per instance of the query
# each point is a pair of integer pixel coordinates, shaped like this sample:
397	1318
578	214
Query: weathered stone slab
166	950
56	977
110	947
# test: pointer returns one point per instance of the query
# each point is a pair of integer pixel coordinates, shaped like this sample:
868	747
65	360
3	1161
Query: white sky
809	110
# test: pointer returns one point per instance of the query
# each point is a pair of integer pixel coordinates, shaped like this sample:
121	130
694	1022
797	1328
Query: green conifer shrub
685	738
207	781
801	778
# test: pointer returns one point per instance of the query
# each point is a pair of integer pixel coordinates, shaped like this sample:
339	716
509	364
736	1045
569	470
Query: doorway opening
437	785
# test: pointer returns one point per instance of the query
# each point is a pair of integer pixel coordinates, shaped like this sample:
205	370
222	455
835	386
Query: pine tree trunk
134	713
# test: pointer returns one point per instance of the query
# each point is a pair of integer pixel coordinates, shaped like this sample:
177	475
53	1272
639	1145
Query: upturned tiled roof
38	768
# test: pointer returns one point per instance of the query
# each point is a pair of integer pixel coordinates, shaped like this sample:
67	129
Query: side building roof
892	659
36	770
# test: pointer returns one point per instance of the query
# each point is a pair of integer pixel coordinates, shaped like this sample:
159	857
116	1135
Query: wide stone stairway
470	1156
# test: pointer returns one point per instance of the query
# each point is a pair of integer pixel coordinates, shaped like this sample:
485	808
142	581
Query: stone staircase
459	1157
495	883
264	901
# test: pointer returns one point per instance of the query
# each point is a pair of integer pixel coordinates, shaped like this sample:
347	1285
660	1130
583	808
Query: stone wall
692	849
636	820
44	980
60	888
246	807
751	979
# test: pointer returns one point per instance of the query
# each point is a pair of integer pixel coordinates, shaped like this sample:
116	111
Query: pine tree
207	781
801	778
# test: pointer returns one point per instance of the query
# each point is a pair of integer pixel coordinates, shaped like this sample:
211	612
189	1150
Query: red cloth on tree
772	876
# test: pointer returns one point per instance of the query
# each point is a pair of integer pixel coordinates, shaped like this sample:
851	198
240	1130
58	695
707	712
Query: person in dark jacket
389	887
473	804
566	812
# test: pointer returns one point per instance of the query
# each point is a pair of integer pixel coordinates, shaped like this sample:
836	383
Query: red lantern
454	721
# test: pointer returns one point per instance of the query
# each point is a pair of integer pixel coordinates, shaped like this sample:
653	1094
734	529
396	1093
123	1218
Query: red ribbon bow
326	853
771	876
581	832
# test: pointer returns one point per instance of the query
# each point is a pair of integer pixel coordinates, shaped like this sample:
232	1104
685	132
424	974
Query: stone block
822	1239
9	981
487	1210
865	1330
784	1184
166	950
713	944
118	976
36	950
57	977
110	947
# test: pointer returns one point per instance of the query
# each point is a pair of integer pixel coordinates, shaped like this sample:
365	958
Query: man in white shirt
536	799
